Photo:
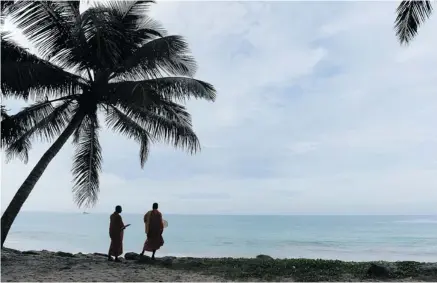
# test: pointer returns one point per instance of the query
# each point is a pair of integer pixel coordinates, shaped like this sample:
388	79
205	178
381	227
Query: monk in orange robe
116	233
154	229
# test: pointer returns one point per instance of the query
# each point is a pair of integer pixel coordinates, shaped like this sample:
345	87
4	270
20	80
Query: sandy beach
31	266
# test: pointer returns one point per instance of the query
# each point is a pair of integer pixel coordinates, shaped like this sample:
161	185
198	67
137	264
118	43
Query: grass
304	270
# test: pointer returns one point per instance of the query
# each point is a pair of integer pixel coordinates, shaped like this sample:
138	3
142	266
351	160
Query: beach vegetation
304	270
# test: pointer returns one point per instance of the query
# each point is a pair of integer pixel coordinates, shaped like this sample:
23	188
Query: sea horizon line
223	214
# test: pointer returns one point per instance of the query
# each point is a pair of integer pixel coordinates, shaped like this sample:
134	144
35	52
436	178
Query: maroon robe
154	229
116	233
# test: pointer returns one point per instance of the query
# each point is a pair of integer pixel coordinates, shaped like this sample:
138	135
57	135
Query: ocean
357	238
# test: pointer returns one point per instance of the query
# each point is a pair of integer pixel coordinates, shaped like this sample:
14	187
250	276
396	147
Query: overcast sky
319	111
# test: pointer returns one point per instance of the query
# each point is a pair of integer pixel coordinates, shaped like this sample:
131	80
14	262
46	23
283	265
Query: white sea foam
418	221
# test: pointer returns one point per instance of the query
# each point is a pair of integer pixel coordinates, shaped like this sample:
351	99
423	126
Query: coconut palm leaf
179	88
167	55
103	41
168	123
410	16
87	163
162	90
125	125
14	126
24	74
130	17
40	120
48	25
10	128
29	116
130	95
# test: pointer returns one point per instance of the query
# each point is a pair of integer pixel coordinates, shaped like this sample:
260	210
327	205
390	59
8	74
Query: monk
154	229
116	233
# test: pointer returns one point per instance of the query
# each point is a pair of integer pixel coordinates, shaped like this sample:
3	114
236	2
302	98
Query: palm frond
103	40
130	11
123	124
70	8
87	163
50	26
410	16
24	74
167	122
39	120
167	55
130	17
10	128
169	110
158	91
135	95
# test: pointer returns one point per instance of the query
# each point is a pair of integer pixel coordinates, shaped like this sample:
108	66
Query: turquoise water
332	237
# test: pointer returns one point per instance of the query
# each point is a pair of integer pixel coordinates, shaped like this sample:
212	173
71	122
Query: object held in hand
165	223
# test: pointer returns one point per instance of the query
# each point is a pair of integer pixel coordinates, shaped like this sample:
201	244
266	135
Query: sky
319	111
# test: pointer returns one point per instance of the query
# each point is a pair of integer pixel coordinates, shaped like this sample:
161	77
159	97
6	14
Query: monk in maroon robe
116	233
154	229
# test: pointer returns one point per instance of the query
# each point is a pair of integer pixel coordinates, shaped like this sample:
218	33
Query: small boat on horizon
85	212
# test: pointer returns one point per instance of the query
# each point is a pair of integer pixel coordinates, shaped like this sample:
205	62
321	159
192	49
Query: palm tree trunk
26	188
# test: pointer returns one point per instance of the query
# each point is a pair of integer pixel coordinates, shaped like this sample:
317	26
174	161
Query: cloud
319	110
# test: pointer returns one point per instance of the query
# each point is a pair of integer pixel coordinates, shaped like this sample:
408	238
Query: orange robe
154	229
116	233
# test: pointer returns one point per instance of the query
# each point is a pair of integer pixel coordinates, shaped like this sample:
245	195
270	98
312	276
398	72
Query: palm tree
111	58
411	14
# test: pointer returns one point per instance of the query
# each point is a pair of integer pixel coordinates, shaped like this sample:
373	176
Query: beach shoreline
51	266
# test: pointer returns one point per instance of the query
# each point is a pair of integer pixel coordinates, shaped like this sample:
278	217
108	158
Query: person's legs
144	248
153	254
109	253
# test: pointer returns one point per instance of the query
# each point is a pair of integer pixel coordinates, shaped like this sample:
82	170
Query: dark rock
194	262
30	253
264	257
65	268
167	260
10	251
378	271
100	254
64	254
145	259
428	269
131	256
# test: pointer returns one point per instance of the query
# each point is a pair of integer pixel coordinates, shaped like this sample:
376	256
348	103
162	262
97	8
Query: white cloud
319	110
